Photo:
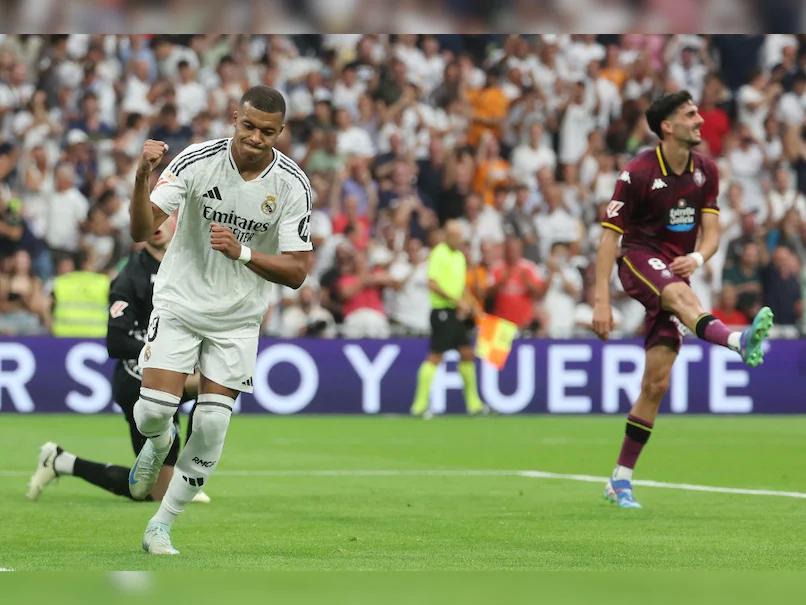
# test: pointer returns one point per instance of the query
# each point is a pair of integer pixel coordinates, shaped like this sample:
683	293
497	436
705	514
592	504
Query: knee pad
153	411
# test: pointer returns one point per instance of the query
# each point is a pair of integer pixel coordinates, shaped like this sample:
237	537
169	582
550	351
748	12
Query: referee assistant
447	271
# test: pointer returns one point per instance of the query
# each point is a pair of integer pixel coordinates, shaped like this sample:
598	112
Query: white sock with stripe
200	455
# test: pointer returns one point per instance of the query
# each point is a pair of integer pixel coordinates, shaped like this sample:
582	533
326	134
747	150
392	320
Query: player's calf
153	415
199	457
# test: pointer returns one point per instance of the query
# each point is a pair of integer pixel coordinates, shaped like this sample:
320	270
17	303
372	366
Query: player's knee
654	388
153	411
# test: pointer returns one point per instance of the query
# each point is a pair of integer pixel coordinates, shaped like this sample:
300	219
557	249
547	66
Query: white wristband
246	255
697	257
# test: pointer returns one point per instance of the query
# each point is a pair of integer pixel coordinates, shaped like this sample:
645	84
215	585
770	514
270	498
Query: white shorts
172	345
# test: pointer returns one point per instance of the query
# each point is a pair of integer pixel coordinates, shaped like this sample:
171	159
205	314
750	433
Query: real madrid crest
699	177
269	204
147	353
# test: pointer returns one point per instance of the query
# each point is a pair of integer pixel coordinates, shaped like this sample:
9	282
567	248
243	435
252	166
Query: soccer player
450	307
664	209
244	222
129	309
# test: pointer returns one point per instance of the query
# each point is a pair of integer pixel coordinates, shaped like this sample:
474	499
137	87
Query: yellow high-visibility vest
81	305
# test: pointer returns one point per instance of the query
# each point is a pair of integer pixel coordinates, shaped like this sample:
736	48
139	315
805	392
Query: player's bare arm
605	258
145	216
684	266
288	268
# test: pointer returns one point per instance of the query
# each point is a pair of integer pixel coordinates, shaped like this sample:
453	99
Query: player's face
256	132
686	123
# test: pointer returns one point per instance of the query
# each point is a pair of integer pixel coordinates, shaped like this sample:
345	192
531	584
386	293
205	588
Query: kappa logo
624	176
658	184
613	208
117	308
214	194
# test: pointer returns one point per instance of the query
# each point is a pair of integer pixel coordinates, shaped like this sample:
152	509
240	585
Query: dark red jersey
655	209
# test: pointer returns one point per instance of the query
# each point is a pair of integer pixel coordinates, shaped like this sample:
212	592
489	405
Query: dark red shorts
644	274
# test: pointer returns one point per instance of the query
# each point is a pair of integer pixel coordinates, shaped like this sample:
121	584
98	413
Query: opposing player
129	310
663	200
244	215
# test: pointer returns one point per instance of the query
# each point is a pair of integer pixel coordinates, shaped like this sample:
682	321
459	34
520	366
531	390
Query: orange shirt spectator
492	171
489	107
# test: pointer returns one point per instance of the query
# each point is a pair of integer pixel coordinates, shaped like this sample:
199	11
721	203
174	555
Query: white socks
64	463
622	472
735	341
199	457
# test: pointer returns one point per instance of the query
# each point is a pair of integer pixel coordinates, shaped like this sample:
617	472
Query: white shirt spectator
558	226
781	202
576	125
754	118
135	99
746	165
559	304
792	109
488	227
773	48
66	212
191	99
355	141
526	161
347	96
409	305
691	78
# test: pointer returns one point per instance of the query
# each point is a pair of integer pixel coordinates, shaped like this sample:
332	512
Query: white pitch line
530	474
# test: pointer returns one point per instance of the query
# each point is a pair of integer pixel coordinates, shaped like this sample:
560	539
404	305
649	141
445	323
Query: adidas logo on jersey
658	184
213	194
247	382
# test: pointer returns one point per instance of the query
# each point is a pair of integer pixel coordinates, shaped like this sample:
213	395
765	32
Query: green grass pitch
407	519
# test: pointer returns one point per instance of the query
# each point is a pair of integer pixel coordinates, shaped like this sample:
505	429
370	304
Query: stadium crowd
520	138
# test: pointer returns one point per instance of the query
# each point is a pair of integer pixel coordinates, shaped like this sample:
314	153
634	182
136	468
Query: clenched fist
223	240
151	156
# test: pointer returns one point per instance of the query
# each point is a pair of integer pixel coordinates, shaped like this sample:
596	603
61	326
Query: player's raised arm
145	216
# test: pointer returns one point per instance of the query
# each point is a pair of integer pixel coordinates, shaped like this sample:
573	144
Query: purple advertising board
48	375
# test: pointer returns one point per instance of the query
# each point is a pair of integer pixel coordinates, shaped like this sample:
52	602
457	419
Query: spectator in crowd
407	295
24	308
726	311
359	290
306	318
517	137
67	211
516	289
563	289
746	278
782	291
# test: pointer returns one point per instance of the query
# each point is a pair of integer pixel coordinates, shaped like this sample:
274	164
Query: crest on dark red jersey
699	177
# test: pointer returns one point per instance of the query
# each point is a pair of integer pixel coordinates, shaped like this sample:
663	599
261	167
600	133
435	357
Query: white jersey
270	214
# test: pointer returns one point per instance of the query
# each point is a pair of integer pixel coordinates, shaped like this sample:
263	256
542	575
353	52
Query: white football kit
207	307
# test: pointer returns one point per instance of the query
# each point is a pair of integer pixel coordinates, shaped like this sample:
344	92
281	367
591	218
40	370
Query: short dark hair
264	98
663	107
